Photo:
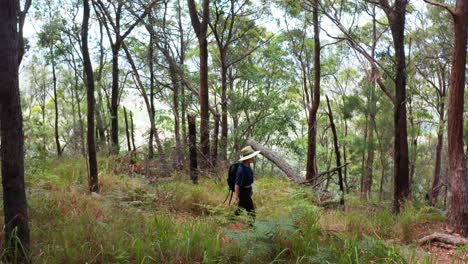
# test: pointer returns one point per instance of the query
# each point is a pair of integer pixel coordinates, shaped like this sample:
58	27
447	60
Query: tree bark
132	131
193	149
56	119
445	238
152	79
277	160
396	16
436	184
458	174
200	28
101	130
311	170
224	114
92	159
337	151
16	227
175	107
127	132
115	99
214	142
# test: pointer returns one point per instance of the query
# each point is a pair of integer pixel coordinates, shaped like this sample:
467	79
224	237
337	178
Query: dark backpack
231	179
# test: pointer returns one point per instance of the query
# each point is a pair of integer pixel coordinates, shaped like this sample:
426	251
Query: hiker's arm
236	191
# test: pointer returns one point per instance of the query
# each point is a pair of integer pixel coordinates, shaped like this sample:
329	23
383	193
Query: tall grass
173	221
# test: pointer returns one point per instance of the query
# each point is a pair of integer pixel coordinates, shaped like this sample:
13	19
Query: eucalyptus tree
93	169
458	173
119	23
311	170
395	13
16	226
232	24
200	26
50	38
432	64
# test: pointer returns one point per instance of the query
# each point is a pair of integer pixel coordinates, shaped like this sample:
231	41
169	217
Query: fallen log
276	159
444	238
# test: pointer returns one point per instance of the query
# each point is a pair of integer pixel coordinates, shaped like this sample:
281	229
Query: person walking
244	182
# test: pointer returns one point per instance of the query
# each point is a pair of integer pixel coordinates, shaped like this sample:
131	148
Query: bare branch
443	5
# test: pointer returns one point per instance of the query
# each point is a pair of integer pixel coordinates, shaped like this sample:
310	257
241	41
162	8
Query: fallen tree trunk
277	160
444	238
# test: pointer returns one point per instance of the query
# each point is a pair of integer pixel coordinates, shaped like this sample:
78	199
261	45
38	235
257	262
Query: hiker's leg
243	201
250	207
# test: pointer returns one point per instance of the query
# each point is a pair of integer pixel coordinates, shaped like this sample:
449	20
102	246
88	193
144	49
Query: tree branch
443	5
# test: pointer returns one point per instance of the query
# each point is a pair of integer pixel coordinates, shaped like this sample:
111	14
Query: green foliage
133	221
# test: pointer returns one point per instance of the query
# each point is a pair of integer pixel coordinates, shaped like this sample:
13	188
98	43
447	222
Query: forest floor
170	220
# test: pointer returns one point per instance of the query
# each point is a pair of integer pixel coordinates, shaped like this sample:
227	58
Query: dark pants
245	202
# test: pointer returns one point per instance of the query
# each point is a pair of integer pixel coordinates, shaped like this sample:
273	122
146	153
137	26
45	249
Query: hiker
244	181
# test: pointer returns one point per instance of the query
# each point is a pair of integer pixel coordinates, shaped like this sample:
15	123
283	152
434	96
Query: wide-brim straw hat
248	153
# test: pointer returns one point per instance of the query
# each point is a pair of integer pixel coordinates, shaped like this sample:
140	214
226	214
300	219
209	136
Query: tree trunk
200	29
56	120
92	159
224	114
366	189
80	117
458	174
152	79
16	227
175	107
401	171
101	130
132	131
436	184
311	170
277	160
337	151
115	99
127	132
214	142
193	149
368	179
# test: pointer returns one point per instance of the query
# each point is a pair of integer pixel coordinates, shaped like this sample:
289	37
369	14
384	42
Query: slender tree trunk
101	130
214	142
458	173
363	159
436	184
368	179
311	171
80	117
382	163
147	102
132	131
115	99
127	132
345	159
181	84
401	171
224	114
56	122
16	227
337	152
152	79
175	107
92	159
193	149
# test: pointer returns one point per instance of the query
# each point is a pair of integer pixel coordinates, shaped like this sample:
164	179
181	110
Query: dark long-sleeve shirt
244	176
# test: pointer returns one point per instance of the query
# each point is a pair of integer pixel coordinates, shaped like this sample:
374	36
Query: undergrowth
171	220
